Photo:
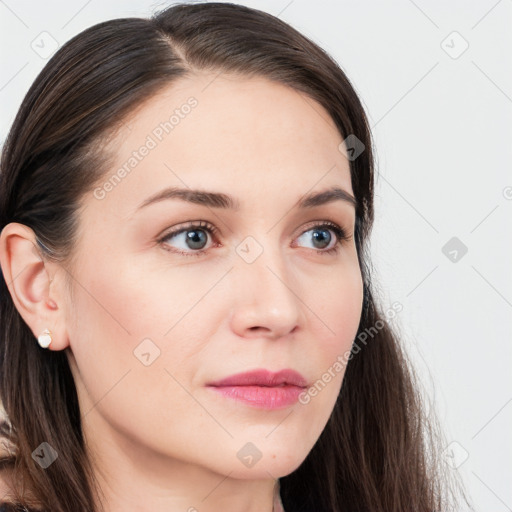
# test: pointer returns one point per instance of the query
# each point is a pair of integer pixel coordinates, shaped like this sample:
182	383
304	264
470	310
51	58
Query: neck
192	491
132	477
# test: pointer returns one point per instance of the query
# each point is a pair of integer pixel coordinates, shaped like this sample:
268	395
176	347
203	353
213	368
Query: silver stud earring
45	338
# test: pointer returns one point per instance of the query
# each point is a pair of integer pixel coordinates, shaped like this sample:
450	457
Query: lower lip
262	397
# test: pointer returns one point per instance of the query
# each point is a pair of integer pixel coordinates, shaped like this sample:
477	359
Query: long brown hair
379	450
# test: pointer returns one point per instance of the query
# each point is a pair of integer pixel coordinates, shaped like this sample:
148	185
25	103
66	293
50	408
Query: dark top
9	507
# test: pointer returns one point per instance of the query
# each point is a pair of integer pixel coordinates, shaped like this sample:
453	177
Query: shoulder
9	507
6	507
5	487
7	494
8	501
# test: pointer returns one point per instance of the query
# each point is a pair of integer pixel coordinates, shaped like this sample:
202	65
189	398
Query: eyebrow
221	200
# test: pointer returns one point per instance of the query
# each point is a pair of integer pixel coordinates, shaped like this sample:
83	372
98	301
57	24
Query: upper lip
263	378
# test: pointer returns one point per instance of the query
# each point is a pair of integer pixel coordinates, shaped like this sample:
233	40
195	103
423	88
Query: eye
194	236
321	237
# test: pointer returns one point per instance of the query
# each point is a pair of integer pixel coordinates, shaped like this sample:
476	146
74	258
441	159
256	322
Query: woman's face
156	318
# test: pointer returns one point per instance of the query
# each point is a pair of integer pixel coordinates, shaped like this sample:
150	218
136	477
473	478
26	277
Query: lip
262	388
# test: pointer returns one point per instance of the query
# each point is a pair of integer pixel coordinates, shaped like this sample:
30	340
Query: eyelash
212	230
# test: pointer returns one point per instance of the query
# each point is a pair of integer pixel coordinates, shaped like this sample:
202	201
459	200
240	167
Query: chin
277	461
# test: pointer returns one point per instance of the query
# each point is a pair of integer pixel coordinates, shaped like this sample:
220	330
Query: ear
28	277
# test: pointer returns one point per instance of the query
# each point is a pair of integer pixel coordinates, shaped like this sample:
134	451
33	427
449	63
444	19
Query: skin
160	440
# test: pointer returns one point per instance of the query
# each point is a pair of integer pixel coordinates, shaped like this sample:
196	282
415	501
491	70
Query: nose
265	301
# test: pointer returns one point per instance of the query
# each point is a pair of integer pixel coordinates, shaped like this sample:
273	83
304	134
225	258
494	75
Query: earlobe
27	278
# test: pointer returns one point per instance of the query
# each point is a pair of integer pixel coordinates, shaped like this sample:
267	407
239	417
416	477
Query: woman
187	313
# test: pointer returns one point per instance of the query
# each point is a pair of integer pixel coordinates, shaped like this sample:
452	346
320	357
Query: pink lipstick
262	389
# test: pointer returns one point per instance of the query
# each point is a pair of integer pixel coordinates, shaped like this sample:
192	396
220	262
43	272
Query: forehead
225	132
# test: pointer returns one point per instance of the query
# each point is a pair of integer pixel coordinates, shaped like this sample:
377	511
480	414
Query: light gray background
441	123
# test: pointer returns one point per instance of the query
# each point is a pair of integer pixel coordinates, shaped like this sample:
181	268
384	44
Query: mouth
262	389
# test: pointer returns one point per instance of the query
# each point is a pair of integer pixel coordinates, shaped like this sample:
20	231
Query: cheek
119	316
337	313
122	313
127	300
334	328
